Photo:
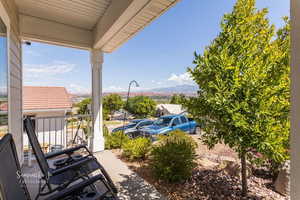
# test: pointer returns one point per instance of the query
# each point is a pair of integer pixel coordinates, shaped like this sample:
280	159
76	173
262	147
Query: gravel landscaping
209	181
210	184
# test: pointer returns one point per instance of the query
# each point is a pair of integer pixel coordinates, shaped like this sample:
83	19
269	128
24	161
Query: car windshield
144	123
131	125
164	121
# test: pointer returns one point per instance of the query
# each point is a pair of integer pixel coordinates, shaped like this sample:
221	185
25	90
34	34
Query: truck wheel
198	131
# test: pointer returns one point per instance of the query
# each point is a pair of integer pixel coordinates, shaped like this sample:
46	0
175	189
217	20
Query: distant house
48	107
3	117
46	101
77	98
4	107
119	115
169	109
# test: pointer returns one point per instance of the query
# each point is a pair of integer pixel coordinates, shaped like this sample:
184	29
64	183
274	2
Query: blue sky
158	56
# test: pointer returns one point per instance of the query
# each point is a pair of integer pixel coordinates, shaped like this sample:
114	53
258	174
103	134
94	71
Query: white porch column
97	139
295	99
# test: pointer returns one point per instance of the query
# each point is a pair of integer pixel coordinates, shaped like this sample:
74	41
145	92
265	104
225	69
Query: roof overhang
42	110
106	25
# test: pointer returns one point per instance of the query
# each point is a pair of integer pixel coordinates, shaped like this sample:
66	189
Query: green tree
177	99
244	95
141	106
112	103
83	108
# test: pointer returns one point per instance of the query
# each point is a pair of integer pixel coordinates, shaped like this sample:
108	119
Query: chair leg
41	188
110	189
108	179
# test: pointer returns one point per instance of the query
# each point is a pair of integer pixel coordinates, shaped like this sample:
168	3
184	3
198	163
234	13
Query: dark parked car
134	126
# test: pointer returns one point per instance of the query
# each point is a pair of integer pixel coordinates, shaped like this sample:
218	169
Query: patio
101	26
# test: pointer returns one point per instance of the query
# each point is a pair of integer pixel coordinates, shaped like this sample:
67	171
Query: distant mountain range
184	89
189	90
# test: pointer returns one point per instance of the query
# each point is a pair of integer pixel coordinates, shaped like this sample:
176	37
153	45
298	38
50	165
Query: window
183	119
163	121
3	80
176	121
146	123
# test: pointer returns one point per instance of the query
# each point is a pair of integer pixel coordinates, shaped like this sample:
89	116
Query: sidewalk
130	185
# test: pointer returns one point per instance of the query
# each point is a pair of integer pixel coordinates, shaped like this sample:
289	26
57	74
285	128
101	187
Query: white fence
59	132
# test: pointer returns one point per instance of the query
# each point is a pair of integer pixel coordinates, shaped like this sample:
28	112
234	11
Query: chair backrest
12	185
36	147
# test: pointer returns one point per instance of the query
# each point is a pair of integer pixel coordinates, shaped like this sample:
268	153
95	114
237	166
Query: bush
105	131
173	158
115	140
137	148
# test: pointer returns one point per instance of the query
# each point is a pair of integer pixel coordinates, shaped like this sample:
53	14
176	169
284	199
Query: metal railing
59	132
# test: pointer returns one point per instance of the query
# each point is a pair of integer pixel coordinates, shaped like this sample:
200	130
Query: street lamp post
126	104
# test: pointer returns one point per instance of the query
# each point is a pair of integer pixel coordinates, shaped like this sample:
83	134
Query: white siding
15	77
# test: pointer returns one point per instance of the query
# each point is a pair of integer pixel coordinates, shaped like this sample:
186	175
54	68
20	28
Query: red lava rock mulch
210	183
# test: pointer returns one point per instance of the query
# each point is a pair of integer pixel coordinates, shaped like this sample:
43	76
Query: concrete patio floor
129	184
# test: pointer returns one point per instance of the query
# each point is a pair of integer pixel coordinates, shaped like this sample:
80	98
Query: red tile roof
36	98
4	106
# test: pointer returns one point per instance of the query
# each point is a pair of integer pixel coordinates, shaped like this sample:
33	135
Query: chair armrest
72	166
66	151
74	188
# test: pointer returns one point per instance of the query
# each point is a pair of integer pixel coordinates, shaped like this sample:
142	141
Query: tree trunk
244	174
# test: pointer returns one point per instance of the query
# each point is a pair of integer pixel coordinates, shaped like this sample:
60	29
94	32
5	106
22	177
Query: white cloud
78	89
181	79
46	70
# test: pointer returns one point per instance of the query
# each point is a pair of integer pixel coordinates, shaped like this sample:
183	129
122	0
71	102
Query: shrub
173	158
137	148
115	140
105	131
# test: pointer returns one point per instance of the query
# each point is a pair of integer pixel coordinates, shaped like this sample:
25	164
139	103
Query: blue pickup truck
165	124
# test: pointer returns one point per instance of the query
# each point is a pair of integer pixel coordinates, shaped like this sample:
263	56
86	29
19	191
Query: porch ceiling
78	13
87	24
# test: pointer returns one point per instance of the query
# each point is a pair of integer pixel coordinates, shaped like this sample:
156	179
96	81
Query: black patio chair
69	166
13	186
